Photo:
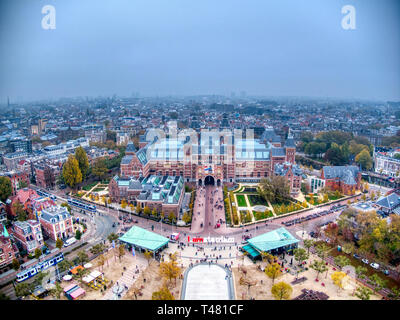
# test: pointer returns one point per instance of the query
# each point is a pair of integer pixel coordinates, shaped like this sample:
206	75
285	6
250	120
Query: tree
148	255
319	266
322	250
146	211
244	281
274	189
64	265
59	243
335	156
71	172
154	213
337	278
15	264
363	293
186	217
171	217
361	271
121	252
364	159
308	243
80	273
97	248
341	261
267	257
101	261
83	162
38	253
78	234
23	289
19	211
138	209
170	270
49	178
5	188
300	255
162	294
273	271
99	168
57	291
112	237
82	257
281	291
378	282
348	248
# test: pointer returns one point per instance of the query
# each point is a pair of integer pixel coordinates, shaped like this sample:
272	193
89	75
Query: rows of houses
46	220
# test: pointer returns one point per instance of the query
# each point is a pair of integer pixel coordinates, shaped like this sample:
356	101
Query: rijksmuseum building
211	157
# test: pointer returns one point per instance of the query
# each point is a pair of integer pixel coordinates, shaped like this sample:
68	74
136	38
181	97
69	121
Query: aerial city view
199	150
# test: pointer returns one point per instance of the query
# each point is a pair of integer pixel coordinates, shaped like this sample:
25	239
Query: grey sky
265	47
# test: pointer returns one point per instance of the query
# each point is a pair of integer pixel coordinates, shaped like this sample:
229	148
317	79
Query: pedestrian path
127	280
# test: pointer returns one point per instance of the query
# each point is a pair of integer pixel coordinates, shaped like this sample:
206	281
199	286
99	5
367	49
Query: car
374	265
365	261
386	272
356	256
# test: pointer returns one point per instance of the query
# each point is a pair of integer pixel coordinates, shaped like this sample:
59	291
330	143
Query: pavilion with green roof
145	240
273	242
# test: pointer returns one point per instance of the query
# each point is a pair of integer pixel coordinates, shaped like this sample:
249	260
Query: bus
32	271
81	205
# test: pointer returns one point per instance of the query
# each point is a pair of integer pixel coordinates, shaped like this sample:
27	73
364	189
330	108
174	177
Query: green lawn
333	197
89	186
256	200
262	215
241	201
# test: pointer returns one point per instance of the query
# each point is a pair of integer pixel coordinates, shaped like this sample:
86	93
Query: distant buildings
96	134
63	148
346	179
11	160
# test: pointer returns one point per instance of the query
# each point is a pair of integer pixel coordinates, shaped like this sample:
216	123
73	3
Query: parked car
386	272
365	261
374	265
356	256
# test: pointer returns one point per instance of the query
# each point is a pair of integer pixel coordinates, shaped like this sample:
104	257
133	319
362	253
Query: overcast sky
161	47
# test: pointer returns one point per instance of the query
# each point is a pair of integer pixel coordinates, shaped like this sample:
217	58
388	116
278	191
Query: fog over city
156	47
